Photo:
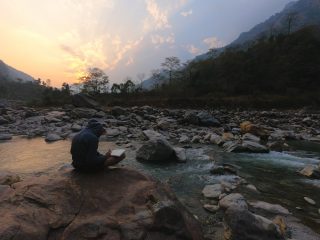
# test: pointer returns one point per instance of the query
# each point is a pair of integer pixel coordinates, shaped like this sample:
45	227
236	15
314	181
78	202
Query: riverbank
201	135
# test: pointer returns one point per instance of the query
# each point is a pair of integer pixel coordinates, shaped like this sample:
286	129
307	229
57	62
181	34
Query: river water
273	174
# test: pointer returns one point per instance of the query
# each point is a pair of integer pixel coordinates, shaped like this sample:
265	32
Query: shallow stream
273	174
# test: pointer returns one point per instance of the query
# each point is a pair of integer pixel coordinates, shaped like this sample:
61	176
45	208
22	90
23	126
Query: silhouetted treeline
282	66
35	93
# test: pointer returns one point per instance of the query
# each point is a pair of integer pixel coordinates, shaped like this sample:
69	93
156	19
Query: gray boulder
151	135
212	191
233	200
244	146
310	171
191	117
184	139
240	224
118	111
206	119
216	139
181	154
5	136
84	112
52	137
272	208
76	127
156	151
202	119
3	120
250	137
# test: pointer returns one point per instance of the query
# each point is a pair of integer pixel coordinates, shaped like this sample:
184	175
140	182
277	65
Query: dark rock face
112	204
83	100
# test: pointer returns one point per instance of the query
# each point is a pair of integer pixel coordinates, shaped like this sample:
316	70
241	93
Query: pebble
211	208
309	200
212	191
252	188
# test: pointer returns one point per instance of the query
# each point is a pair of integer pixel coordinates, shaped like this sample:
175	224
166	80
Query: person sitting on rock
84	149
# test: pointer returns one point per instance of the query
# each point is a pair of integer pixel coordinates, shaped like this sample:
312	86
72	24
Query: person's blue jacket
84	147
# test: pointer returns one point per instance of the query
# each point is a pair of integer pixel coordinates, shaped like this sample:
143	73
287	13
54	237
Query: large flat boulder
85	101
112	204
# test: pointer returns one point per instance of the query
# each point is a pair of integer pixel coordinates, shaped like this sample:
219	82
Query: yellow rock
280	222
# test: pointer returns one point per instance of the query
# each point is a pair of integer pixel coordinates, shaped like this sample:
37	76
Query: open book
117	152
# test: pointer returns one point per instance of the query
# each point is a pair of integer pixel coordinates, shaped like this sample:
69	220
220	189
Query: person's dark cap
96	126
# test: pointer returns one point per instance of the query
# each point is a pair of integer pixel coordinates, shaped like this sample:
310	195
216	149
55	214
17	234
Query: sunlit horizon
59	40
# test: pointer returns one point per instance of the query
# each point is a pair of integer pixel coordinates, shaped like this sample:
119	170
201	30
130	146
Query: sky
60	39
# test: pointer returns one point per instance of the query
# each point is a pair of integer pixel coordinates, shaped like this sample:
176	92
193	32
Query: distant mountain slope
12	74
302	13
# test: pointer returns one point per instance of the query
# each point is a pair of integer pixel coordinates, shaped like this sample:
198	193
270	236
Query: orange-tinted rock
114	204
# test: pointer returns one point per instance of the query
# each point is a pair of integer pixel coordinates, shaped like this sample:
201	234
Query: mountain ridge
309	14
11	74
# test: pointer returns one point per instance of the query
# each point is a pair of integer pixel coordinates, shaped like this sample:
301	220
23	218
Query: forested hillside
283	65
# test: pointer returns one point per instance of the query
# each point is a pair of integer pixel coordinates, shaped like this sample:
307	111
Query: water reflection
22	155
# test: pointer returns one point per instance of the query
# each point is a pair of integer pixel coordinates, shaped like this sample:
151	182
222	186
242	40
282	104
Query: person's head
96	127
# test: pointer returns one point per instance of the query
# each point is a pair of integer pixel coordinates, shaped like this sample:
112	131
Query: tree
128	86
157	77
290	20
170	65
65	88
95	81
123	88
213	52
188	67
141	77
115	89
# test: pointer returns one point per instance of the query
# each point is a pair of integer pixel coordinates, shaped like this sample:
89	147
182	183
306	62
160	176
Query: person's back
84	148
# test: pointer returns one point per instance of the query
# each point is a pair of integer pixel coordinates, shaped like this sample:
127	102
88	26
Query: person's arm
114	160
93	156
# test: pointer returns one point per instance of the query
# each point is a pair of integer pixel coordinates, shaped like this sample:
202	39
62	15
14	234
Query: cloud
159	13
79	58
123	50
130	61
158	39
80	55
186	13
193	50
213	42
158	19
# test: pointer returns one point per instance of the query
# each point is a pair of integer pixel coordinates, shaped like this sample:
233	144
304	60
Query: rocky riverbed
235	207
